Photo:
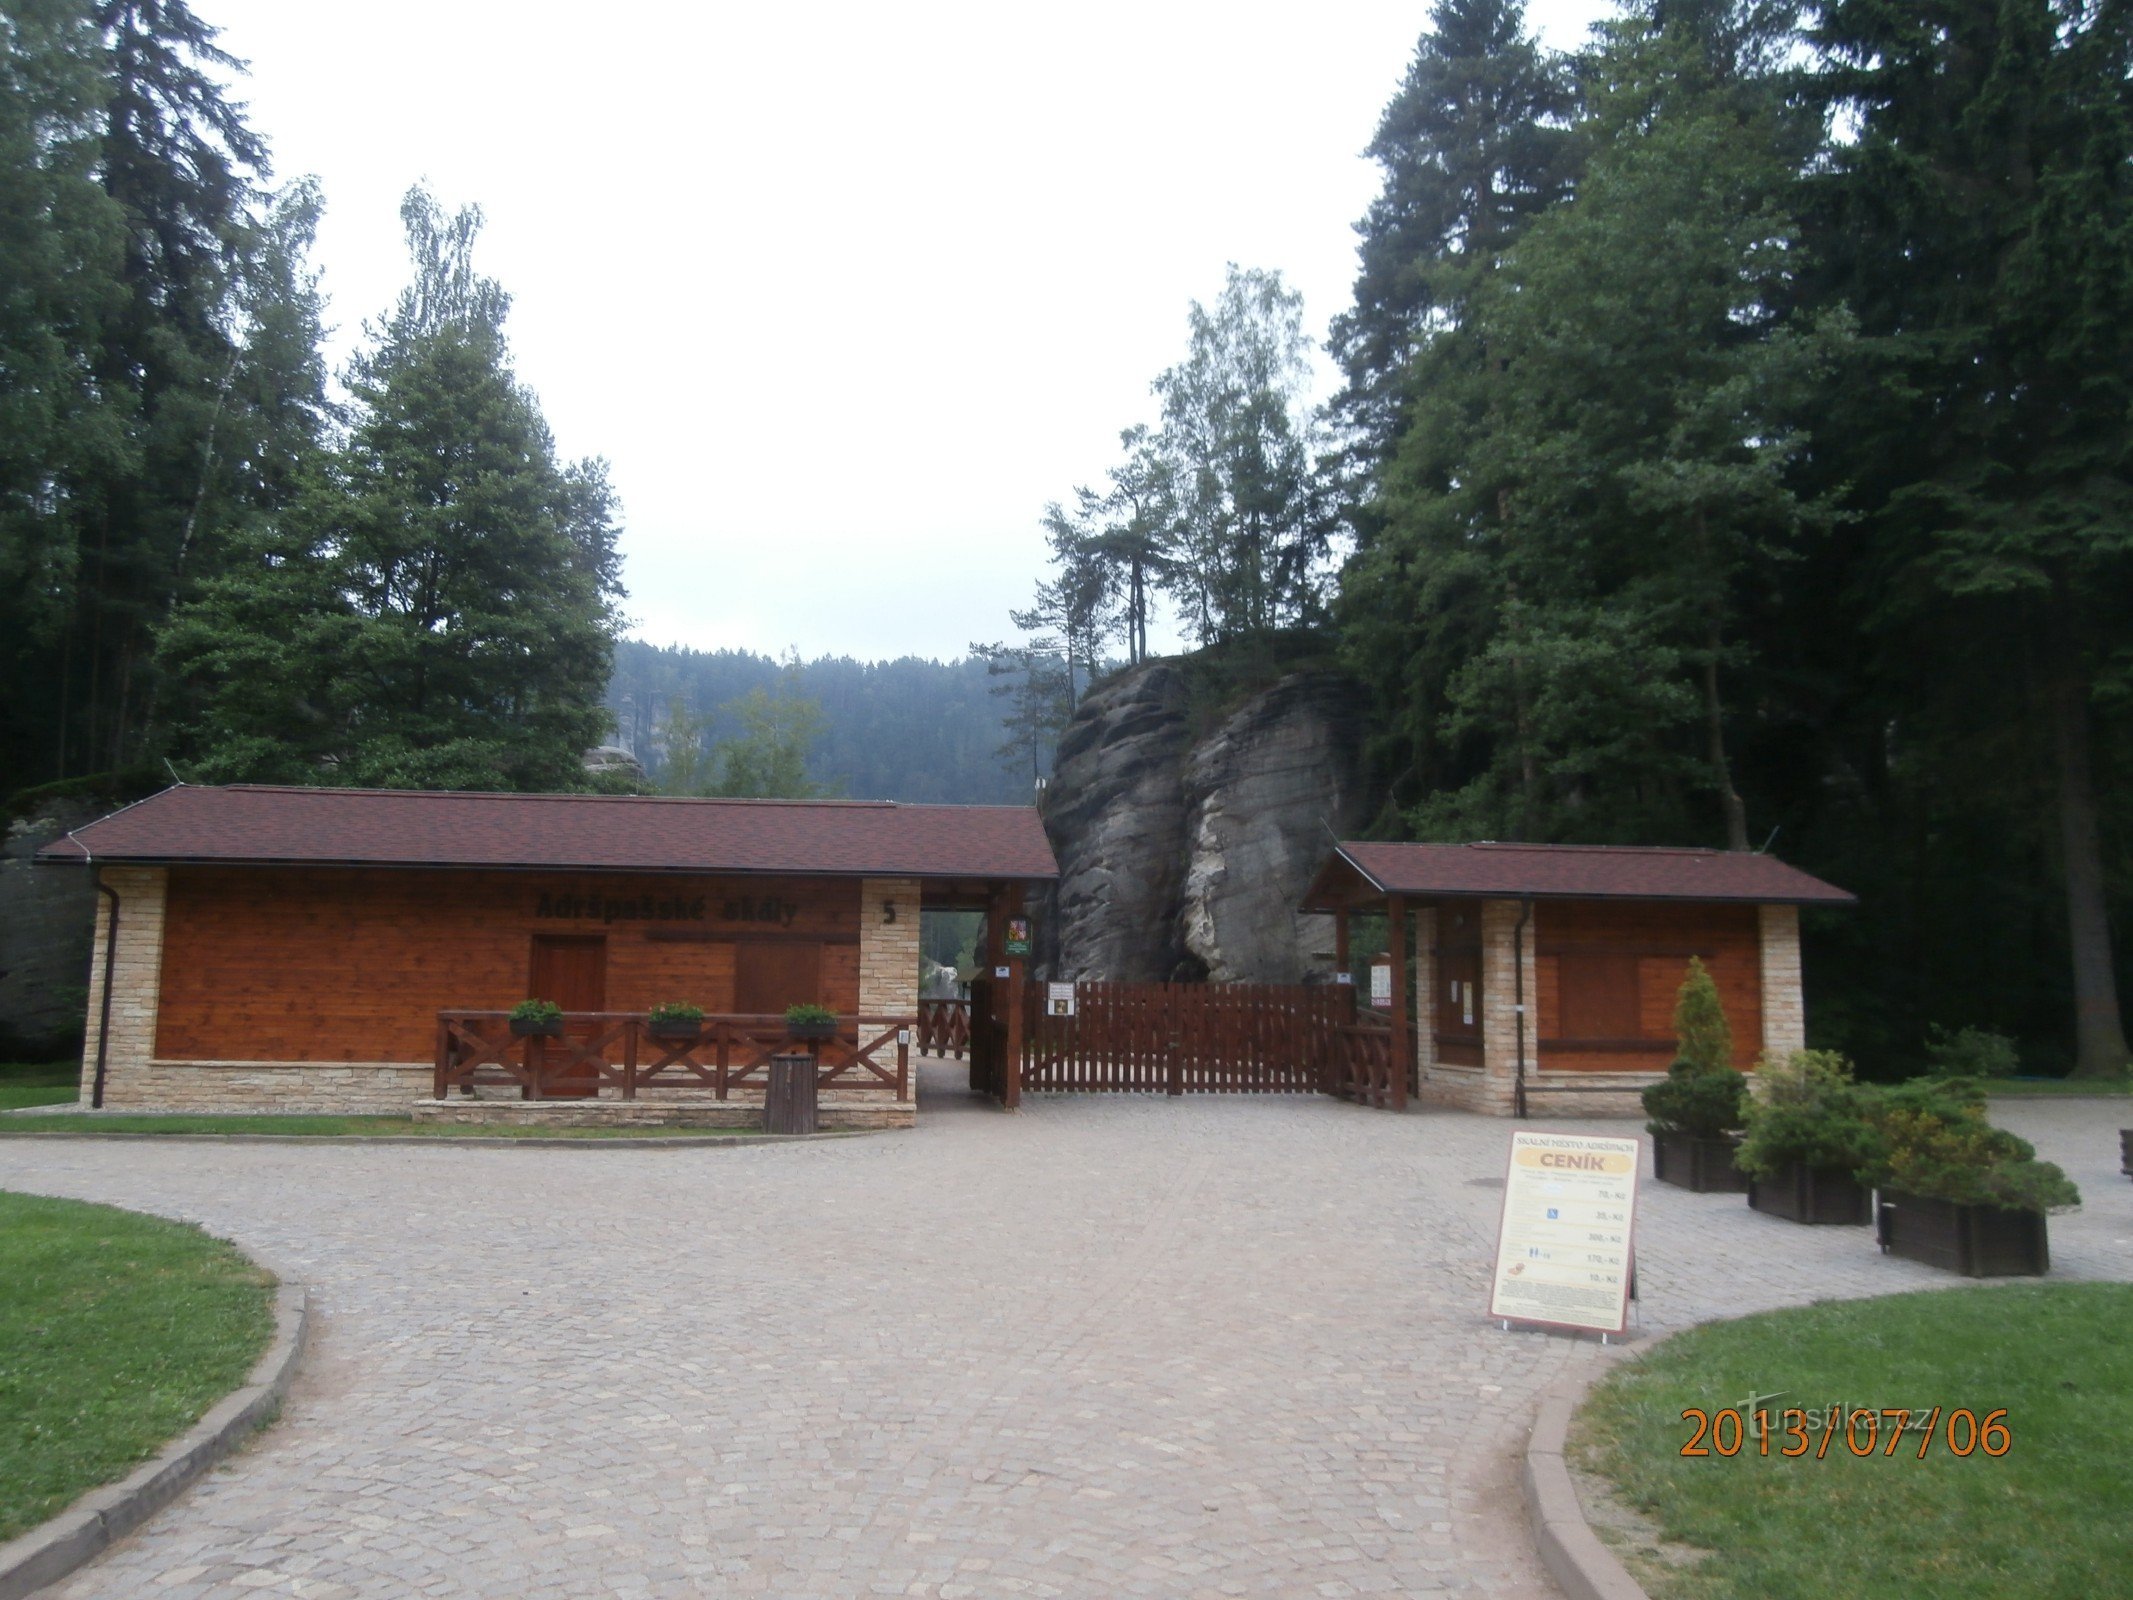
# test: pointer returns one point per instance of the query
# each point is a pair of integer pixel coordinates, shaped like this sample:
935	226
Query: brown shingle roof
400	827
1567	872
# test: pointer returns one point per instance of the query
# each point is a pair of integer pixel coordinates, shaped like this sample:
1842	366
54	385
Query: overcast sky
845	293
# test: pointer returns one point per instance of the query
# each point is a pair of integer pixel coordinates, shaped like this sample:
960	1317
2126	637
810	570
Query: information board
1565	1246
1059	999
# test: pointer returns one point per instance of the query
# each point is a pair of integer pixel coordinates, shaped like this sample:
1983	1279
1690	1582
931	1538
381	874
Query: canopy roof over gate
251	824
1364	873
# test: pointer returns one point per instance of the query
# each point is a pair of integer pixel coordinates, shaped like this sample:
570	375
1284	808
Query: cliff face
1182	858
1115	810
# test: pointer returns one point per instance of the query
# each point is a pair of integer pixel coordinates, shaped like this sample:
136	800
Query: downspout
1518	1005
103	1022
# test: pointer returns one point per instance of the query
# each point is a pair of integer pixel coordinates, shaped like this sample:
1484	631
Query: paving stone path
1110	1347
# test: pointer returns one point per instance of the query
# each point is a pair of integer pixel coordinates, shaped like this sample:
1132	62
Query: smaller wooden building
295	949
1542	978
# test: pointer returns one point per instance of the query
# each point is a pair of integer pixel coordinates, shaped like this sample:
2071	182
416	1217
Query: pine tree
1473	146
1121	541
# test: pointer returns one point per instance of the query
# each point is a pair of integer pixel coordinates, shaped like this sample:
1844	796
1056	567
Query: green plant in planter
1697	1103
1971	1053
536	1014
1705	1038
810	1016
675	1015
1702	1096
1935	1143
1810	1113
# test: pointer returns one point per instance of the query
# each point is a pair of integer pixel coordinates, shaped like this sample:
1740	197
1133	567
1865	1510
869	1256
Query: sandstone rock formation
1115	810
1183	857
1266	796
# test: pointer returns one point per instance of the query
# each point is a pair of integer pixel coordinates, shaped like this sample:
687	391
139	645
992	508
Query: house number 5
888	911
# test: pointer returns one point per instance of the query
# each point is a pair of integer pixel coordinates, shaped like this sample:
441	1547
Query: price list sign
1563	1251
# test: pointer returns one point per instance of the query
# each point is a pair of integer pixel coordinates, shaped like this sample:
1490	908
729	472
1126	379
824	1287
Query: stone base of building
1449	1089
832	1112
317	1088
1590	1094
400	1089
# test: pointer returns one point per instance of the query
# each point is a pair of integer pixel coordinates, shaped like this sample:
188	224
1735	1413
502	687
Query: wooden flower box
810	1030
675	1032
521	1028
1704	1166
1819	1195
1977	1241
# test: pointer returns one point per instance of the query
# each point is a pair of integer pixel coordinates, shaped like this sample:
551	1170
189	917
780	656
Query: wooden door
571	970
771	974
1457	1010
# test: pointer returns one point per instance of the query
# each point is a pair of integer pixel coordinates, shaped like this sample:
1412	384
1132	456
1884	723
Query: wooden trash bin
789	1106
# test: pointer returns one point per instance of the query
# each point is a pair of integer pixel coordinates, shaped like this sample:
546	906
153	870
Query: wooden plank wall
1661	938
353	964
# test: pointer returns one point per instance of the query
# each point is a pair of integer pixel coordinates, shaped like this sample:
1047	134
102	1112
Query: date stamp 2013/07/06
1885	1432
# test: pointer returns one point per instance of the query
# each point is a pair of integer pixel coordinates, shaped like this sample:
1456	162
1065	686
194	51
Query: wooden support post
1017	982
1340	942
1403	1044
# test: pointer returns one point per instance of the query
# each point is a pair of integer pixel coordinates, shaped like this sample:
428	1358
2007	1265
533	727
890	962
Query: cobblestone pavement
1110	1347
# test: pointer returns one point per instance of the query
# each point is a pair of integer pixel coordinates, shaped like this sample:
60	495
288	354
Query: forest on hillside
909	729
1734	446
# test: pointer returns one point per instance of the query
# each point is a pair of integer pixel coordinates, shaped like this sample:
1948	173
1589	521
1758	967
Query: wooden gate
1192	1038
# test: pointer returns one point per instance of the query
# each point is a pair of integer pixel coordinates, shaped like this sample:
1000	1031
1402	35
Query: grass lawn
2057	1086
2047	1518
117	1331
329	1127
38	1083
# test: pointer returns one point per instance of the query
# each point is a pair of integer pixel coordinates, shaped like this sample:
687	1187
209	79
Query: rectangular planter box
1823	1195
1702	1165
1977	1241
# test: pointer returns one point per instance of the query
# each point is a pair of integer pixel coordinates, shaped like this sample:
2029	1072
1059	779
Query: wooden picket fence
944	1027
1190	1038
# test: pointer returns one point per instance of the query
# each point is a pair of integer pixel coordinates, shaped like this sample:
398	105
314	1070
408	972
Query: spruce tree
437	609
1978	226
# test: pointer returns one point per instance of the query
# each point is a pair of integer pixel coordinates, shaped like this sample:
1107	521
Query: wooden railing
944	1027
1362	1062
601	1052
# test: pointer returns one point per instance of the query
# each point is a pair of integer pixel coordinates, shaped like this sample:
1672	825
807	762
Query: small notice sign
1018	936
1564	1249
1059	999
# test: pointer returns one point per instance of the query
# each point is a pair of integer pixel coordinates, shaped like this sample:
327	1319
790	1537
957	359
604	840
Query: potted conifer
1697	1112
1956	1192
1807	1137
537	1019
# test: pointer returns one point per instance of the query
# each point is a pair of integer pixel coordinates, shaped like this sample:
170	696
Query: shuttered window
1597	995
